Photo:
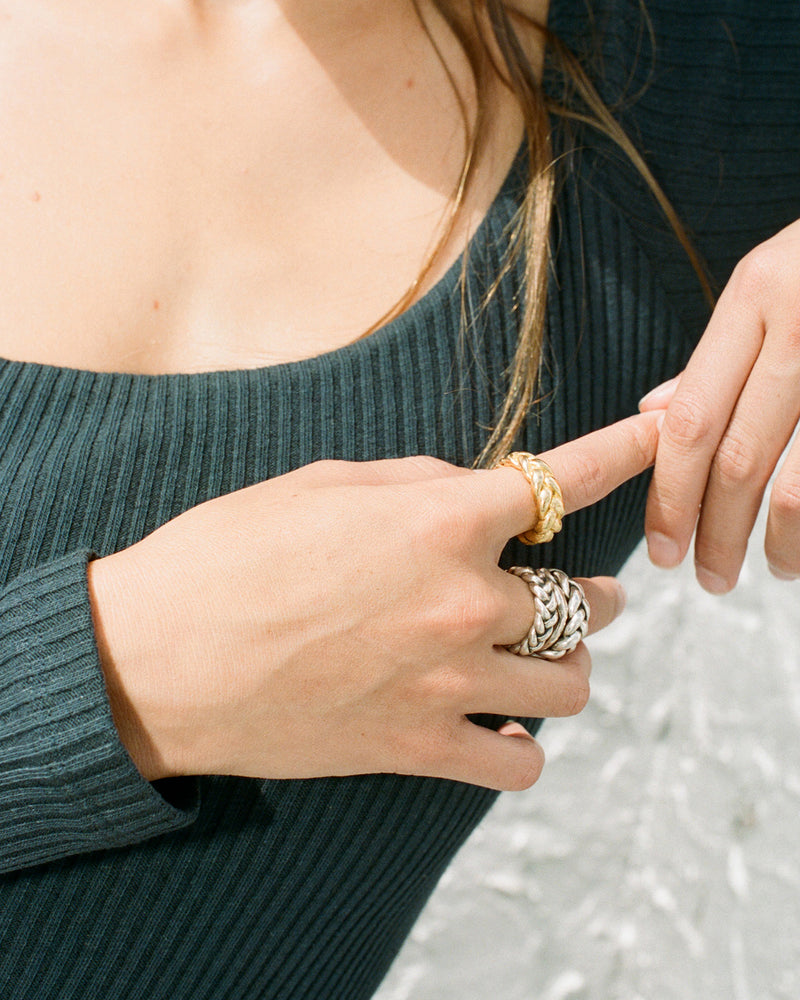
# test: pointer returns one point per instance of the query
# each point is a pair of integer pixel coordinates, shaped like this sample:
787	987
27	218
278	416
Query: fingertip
660	397
663	551
712	582
588	468
780	574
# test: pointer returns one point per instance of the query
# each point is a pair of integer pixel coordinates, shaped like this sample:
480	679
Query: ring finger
760	427
529	687
525	686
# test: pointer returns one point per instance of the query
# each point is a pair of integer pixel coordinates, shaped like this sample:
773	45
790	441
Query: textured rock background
658	856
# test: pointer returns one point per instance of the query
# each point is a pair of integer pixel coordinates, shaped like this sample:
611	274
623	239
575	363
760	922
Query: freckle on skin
409	83
156	304
36	196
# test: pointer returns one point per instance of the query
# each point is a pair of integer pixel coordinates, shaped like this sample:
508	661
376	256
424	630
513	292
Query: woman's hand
733	413
347	618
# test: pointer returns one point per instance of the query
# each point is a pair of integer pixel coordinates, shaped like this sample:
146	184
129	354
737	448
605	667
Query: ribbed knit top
234	889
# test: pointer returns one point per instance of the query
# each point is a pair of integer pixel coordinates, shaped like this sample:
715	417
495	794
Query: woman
206	206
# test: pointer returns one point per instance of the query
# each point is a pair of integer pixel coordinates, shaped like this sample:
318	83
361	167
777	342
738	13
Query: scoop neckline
353	351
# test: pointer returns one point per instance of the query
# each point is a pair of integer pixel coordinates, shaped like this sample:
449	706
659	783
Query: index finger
587	469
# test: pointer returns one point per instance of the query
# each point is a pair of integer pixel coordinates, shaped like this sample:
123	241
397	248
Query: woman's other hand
348	618
734	411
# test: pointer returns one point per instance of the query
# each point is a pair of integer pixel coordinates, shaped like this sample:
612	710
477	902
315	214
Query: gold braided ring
547	497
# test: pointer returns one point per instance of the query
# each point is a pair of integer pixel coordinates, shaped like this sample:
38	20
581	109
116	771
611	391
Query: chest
255	195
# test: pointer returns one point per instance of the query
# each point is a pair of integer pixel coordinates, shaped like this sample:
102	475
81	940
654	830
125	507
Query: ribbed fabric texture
234	889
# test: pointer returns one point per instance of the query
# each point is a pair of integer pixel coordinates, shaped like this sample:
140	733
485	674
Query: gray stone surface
657	857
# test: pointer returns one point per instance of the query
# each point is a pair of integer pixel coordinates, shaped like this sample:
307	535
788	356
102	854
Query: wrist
126	652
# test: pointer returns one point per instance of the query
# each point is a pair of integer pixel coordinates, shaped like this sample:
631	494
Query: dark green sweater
234	889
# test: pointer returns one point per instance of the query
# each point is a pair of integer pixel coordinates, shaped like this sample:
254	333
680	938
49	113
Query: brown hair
490	33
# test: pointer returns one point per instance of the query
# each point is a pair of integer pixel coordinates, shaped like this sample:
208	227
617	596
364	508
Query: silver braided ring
561	613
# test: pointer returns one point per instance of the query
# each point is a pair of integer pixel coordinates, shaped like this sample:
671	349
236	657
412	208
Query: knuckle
480	610
444	688
325	469
790	349
437	520
737	462
437	618
576	696
586	471
527	769
643	440
430	466
688	422
468	613
423	517
765	281
671	511
785	500
716	554
758	271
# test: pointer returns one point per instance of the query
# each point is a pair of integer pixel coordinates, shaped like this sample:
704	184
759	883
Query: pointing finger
587	469
590	467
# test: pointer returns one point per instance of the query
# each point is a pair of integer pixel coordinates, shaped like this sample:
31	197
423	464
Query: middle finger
760	428
695	423
604	595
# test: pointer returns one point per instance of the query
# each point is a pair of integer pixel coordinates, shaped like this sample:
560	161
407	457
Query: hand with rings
351	617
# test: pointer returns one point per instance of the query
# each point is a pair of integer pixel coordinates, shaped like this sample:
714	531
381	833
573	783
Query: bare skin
253	182
229	651
731	414
189	215
230	146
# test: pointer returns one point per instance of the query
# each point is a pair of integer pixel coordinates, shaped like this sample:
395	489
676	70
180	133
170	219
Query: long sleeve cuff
67	784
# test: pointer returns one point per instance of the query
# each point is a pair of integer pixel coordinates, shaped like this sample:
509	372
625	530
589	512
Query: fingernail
513	728
712	582
663	551
780	575
661	395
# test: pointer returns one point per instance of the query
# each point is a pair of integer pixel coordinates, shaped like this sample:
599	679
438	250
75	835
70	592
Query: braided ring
547	497
561	613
